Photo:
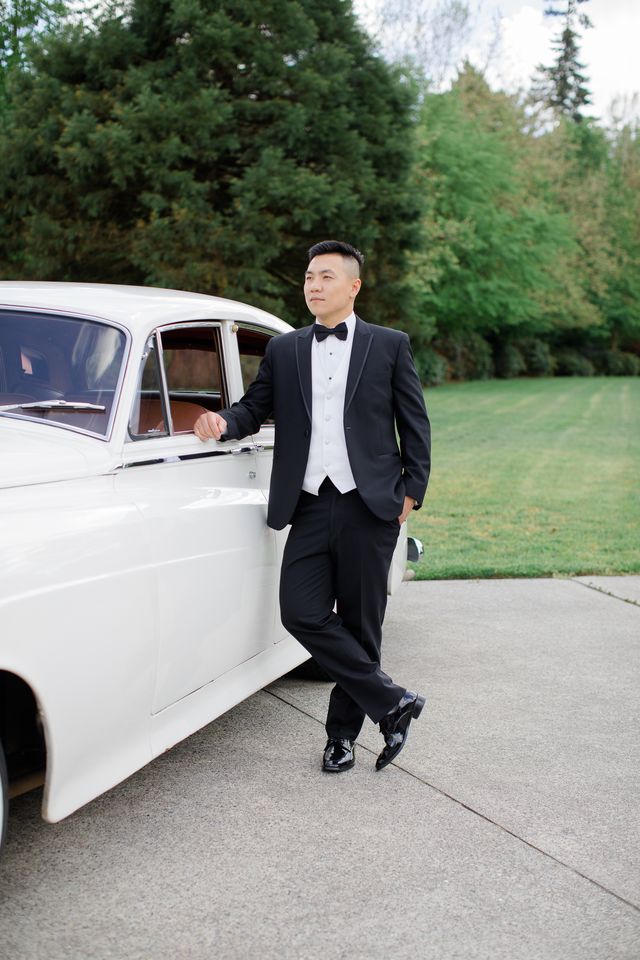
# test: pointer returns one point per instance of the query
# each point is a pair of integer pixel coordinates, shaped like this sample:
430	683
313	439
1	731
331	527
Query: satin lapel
303	359
361	344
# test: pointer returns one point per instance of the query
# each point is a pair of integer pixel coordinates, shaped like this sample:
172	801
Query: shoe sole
417	707
415	713
347	766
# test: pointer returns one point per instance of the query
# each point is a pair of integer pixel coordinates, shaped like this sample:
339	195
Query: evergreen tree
205	144
20	21
563	85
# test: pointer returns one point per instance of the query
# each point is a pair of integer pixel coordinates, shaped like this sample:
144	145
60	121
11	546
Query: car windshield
61	369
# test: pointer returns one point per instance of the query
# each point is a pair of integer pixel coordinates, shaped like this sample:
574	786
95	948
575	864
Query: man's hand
409	504
209	426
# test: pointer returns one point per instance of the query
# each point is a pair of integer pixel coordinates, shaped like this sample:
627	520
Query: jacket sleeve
246	415
412	423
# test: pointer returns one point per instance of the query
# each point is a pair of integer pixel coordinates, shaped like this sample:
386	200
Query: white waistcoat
328	449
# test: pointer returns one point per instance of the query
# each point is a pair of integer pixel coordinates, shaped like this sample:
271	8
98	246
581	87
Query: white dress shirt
328	449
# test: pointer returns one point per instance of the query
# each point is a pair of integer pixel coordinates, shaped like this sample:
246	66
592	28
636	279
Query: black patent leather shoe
394	726
339	755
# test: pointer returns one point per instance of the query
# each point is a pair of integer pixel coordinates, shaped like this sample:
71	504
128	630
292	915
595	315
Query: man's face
330	287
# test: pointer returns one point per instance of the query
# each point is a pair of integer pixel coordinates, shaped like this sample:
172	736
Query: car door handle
236	450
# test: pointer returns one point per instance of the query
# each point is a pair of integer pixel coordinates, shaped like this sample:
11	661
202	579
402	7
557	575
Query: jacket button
306	433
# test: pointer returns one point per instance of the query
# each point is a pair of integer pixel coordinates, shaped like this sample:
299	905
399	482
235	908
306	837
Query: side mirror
414	549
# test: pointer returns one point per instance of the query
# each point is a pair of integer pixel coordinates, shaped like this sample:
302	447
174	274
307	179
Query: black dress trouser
339	552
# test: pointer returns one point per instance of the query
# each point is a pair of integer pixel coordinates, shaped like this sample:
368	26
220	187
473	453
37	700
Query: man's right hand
209	426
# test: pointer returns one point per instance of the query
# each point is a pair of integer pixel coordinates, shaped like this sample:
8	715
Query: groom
340	388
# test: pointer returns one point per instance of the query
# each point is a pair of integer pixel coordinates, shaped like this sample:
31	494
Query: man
339	389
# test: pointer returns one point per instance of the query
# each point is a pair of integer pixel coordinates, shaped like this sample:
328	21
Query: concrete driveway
508	828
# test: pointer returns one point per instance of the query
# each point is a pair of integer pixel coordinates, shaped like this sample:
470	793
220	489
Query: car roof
133	307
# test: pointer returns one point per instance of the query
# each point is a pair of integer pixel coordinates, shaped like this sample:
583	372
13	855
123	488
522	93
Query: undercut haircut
351	254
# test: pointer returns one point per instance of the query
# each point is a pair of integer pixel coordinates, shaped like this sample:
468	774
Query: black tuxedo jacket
383	393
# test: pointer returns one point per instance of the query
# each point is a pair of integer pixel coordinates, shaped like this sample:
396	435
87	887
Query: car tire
4	798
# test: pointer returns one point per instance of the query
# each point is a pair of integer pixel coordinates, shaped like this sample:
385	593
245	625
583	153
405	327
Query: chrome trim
179	458
215	326
205	455
165	400
255	326
60	404
140	463
178	325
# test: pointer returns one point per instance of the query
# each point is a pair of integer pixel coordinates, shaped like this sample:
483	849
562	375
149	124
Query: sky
609	50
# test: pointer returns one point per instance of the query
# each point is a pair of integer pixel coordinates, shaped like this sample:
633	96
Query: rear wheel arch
22	734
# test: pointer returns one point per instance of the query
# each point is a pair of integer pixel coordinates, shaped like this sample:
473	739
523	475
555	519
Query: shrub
468	356
570	363
630	364
431	366
509	362
617	363
539	361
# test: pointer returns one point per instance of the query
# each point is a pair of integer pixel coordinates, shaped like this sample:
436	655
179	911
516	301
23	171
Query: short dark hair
336	246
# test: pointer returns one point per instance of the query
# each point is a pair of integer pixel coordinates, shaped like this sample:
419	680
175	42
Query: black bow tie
323	332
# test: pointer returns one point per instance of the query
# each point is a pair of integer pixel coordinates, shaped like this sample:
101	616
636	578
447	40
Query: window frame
269	334
165	399
58	313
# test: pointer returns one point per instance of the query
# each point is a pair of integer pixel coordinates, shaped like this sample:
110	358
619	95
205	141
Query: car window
60	369
180	378
148	415
252	344
191	362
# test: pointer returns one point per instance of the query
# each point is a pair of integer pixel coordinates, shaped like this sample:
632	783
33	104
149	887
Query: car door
204	513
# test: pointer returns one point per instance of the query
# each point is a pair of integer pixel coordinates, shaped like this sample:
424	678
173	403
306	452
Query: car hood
42	453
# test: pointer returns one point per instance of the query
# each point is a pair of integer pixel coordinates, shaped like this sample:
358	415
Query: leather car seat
183	414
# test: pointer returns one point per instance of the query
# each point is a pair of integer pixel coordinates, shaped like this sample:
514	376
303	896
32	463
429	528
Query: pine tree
20	21
563	85
206	144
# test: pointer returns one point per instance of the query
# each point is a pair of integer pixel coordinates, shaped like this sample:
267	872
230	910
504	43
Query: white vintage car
138	577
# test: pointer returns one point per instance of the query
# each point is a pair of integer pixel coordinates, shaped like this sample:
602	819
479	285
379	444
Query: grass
532	478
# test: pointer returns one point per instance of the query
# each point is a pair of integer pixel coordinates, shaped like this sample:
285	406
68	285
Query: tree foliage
621	300
22	21
19	20
205	144
563	85
529	237
490	232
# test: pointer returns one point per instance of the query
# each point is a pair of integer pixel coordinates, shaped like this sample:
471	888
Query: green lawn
532	478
